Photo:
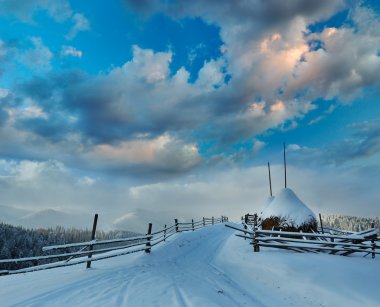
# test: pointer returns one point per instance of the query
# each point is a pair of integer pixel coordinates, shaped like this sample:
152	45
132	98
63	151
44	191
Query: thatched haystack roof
287	212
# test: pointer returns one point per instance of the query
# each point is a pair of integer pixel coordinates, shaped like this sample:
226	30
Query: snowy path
178	273
208	267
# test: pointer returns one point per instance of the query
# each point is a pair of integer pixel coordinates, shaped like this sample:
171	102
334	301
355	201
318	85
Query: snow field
208	267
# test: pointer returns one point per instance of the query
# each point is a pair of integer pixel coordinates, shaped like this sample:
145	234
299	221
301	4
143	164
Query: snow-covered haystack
287	212
267	203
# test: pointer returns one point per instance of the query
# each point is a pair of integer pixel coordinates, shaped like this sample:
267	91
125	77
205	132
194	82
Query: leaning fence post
192	224
176	225
165	232
204	224
212	219
148	245
92	238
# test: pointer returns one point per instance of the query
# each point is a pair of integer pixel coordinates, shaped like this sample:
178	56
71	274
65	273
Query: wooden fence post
176	225
204	224
256	247
192	224
148	245
373	243
212	219
245	223
92	238
320	220
165	233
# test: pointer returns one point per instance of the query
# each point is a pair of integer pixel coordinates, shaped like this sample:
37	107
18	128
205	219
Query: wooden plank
297	234
93	242
74	262
335	243
313	247
79	253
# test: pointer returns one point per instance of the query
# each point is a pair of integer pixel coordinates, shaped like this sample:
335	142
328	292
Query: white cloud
71	51
80	23
59	10
4	92
37	58
211	75
258	146
86	181
163	153
3	49
26	170
270	54
347	63
294	147
27	110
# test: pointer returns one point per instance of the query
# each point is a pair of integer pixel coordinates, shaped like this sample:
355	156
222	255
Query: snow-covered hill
208	267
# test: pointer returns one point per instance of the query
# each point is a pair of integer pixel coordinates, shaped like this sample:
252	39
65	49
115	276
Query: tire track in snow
180	272
190	269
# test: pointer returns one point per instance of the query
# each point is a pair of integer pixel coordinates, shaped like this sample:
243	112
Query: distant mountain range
136	220
43	218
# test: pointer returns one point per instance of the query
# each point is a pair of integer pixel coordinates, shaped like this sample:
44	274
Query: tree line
19	242
352	223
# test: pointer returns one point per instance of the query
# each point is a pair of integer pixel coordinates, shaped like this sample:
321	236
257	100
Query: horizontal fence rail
332	240
116	247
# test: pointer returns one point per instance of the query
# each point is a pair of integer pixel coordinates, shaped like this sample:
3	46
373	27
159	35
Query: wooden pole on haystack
270	181
285	165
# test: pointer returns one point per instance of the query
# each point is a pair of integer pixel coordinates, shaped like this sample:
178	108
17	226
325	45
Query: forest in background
352	223
18	242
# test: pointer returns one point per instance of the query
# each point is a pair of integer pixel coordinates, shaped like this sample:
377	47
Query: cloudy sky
176	106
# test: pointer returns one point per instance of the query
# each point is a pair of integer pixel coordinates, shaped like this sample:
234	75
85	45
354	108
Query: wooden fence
95	250
336	241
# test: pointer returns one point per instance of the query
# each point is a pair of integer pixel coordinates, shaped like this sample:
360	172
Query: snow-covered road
208	267
181	272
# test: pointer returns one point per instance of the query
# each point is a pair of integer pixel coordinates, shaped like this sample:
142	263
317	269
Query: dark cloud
245	19
129	101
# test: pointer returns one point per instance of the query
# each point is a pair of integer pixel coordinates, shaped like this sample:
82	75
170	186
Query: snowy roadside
208	267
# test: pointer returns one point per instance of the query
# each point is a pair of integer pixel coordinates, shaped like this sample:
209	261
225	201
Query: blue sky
159	95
